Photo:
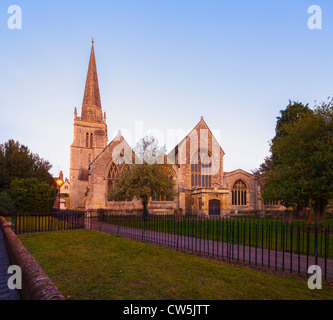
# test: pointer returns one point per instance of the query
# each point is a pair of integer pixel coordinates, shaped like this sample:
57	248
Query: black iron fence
52	221
259	242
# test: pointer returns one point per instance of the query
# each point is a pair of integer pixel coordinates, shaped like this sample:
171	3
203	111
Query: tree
32	195
143	180
293	112
148	150
16	161
265	167
303	172
7	205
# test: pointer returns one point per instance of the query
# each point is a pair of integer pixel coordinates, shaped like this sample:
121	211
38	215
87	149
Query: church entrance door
214	207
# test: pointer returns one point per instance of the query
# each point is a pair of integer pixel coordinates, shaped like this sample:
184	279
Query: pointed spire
91	99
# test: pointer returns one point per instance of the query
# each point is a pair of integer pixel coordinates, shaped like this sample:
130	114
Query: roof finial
92	39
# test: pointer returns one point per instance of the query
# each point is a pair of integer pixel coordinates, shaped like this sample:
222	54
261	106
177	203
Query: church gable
117	151
199	139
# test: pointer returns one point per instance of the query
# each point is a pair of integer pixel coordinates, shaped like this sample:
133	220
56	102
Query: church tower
90	136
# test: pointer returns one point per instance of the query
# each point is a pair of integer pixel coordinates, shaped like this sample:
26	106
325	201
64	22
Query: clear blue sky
163	62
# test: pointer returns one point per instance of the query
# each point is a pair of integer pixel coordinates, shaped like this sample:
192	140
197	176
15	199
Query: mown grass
88	265
43	223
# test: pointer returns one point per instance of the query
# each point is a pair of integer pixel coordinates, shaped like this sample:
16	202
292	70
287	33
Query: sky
162	64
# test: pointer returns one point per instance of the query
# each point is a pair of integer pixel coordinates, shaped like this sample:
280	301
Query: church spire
91	106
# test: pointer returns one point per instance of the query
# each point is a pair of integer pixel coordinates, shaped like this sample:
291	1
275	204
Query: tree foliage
32	195
303	170
7	205
148	150
141	181
17	161
293	112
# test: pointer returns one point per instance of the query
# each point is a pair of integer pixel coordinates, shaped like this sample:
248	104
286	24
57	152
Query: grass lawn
90	265
33	223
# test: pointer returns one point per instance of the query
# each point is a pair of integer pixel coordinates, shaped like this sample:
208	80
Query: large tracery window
239	193
201	171
116	168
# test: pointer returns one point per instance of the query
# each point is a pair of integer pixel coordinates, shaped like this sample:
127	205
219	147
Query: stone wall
36	285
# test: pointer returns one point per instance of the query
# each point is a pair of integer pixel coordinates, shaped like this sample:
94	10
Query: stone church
195	164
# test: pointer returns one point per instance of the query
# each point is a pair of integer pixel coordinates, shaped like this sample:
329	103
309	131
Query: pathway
5	292
254	256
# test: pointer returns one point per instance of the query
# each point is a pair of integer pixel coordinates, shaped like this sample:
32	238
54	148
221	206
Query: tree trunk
145	212
287	217
319	213
300	211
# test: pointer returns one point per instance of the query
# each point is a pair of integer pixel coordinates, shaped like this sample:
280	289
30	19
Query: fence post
291	248
15	222
316	244
250	256
327	234
299	248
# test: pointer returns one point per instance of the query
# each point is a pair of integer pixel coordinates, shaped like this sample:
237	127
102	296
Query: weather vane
92	39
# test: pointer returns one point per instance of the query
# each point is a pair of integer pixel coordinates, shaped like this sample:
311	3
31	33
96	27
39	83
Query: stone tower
90	136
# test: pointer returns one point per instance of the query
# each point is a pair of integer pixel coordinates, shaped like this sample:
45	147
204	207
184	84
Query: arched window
87	140
171	175
112	175
89	159
91	140
239	193
201	170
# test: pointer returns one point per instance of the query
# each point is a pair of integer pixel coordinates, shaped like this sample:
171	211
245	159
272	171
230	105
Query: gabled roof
119	138
202	124
239	171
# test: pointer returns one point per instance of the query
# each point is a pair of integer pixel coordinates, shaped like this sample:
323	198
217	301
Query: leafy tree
293	112
32	195
7	205
143	180
265	167
16	161
148	150
303	173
